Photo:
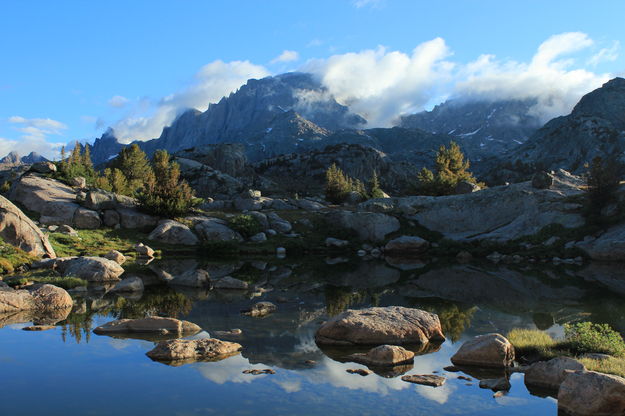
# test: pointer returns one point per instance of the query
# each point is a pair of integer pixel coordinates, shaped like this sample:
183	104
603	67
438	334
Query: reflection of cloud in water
229	370
120	344
18	326
290	386
306	343
439	395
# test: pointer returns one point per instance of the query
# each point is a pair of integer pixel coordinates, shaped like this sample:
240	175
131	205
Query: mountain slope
595	127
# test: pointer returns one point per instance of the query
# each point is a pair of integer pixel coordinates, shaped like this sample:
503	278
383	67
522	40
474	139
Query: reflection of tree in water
455	318
339	299
161	302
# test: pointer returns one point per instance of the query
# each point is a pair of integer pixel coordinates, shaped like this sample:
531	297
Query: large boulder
98	199
39	298
92	269
53	200
173	232
131	218
369	226
550	374
19	231
588	393
129	284
87	219
278	223
43	167
393	325
215	230
490	350
207	349
407	245
384	355
151	325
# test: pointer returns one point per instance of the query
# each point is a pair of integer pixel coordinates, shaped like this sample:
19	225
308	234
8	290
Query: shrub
5	187
588	337
246	225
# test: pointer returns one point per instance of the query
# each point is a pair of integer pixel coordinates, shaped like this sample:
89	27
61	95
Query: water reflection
469	300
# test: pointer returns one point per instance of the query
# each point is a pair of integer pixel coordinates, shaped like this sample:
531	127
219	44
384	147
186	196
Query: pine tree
134	165
451	168
337	184
374	184
164	192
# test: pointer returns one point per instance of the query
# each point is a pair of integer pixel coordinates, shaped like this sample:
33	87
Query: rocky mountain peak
607	102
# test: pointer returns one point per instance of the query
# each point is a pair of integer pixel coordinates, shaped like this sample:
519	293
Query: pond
71	371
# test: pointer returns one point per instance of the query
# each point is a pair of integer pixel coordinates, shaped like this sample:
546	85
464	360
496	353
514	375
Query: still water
70	371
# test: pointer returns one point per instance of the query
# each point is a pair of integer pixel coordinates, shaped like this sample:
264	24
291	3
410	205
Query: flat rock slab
384	355
425	379
152	325
394	325
38	328
184	351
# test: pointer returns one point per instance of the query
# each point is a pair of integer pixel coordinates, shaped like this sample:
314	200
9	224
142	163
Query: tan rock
490	350
19	231
374	326
193	350
425	379
384	355
588	393
260	309
154	324
39	298
115	256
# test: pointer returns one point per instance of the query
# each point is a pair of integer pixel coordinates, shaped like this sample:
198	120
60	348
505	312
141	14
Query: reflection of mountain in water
469	300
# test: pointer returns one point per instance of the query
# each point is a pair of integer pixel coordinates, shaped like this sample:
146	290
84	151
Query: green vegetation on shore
67	282
580	338
12	257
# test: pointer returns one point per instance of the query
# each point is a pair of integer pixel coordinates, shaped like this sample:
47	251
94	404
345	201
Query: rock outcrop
393	325
490	350
369	226
92	269
19	231
384	355
500	213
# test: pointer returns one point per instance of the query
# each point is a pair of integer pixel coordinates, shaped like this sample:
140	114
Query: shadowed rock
588	393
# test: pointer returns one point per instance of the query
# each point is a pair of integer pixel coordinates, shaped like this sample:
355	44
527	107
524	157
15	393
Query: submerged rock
374	326
193	350
229	282
260	309
384	355
490	350
588	393
495	384
154	325
425	379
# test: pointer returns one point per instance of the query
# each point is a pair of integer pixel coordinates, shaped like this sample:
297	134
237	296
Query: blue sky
69	69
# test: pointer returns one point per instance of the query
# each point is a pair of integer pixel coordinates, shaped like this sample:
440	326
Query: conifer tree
451	168
374	184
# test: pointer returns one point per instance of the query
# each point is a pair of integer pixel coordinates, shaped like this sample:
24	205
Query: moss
64	282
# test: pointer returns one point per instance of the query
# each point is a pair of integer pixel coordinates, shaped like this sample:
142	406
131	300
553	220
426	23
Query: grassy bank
533	345
11	258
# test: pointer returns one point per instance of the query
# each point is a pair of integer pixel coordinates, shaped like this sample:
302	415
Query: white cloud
380	84
212	82
117	101
549	77
286	56
34	138
606	54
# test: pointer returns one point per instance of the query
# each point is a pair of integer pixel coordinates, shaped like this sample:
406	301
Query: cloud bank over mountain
382	84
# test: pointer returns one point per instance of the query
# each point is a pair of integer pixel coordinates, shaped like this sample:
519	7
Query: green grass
63	282
101	241
12	257
532	342
615	366
581	338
